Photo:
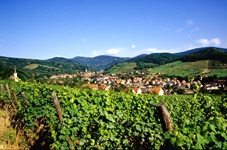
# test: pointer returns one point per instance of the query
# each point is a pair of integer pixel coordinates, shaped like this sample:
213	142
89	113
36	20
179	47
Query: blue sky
42	29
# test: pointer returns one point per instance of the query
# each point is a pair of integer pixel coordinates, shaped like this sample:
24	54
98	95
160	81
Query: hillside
60	59
28	68
201	67
159	58
121	67
142	62
137	58
198	49
215	58
100	62
204	61
206	54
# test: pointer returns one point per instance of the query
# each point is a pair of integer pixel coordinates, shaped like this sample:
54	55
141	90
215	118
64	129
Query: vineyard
94	119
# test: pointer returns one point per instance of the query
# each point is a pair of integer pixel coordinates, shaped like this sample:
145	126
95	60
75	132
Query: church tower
15	73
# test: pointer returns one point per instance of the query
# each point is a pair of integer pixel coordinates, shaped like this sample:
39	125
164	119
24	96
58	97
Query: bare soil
9	139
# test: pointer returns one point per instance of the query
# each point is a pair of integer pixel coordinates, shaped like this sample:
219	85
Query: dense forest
206	54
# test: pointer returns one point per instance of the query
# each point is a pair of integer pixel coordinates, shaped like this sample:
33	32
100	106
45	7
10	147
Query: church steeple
14	75
15	69
15	72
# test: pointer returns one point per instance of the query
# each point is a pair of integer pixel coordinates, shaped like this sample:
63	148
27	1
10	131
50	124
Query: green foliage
183	69
159	58
94	119
35	69
121	67
206	54
99	62
142	65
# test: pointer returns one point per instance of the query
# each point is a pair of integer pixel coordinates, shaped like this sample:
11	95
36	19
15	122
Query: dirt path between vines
8	137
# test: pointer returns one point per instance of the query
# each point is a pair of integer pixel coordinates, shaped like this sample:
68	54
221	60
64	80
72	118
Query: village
140	83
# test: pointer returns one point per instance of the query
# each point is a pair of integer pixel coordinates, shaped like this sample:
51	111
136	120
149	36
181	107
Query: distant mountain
143	62
29	68
198	49
60	59
217	57
100	62
206	54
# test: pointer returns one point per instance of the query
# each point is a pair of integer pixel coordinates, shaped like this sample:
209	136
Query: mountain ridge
217	56
99	62
58	65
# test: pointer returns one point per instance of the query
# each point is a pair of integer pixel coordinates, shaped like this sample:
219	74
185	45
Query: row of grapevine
94	119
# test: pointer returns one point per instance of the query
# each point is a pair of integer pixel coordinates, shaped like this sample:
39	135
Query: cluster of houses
63	76
144	84
138	84
148	84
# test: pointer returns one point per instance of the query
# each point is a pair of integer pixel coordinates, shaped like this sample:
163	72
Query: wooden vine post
57	106
165	117
9	94
25	100
2	88
15	95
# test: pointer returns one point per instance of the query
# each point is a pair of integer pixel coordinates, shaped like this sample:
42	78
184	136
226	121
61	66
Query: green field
34	66
179	68
122	67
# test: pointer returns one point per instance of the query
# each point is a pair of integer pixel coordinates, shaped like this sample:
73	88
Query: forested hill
159	58
134	59
217	56
206	54
60	59
100	62
199	49
28	68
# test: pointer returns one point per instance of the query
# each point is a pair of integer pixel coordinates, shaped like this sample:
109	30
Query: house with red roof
157	90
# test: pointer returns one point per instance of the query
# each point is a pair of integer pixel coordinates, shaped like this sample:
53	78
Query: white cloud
96	53
215	41
133	46
58	55
152	50
203	42
207	42
190	46
112	51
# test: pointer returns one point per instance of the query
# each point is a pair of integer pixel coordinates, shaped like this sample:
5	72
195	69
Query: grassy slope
122	67
34	66
29	68
179	68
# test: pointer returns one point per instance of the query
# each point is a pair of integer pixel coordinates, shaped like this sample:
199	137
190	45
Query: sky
42	29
